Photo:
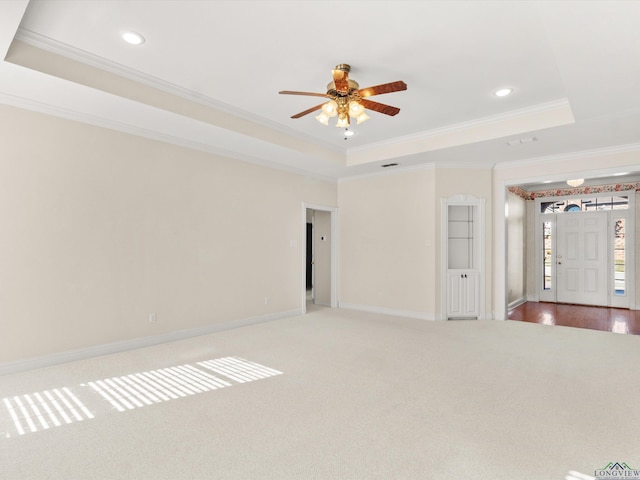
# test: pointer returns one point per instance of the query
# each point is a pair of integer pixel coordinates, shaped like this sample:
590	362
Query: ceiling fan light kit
347	100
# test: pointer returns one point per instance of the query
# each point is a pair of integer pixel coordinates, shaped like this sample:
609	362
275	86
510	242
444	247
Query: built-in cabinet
463	255
463	300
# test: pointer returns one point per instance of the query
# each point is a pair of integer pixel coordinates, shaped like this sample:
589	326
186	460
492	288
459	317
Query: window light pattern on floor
239	369
41	411
59	406
146	388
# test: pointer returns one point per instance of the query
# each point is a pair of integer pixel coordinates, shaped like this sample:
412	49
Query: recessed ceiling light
503	92
547	181
133	38
620	174
349	133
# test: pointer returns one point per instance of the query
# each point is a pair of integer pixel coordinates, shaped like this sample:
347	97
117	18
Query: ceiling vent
522	141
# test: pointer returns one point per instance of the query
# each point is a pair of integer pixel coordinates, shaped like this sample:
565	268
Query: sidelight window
546	255
619	257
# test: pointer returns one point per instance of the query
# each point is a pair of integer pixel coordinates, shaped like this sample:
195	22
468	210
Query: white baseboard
388	311
123	346
517	303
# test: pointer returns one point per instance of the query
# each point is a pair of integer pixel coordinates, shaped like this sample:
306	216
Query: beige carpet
360	396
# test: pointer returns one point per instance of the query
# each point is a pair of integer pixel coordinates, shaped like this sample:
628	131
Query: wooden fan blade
384	88
308	111
341	80
380	107
309	94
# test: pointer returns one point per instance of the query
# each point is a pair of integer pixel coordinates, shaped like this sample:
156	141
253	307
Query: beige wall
99	229
390	231
531	285
387	239
516	248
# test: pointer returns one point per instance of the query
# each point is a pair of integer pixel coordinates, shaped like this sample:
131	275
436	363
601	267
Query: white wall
98	229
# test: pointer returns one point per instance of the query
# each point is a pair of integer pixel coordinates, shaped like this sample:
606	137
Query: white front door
581	258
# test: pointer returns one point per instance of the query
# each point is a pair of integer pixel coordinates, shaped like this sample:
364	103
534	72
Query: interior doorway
320	265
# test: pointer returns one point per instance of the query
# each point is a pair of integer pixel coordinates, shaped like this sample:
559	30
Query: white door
581	258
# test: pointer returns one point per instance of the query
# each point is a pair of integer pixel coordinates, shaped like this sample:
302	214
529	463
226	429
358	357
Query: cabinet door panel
472	289
454	306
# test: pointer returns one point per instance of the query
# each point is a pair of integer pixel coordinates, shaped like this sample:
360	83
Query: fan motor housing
331	88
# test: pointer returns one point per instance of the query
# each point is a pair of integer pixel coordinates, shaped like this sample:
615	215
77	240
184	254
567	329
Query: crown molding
462	126
463	166
597	152
75	116
413	168
387	172
50	45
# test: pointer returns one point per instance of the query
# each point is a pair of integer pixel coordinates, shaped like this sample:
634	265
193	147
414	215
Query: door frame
334	252
630	261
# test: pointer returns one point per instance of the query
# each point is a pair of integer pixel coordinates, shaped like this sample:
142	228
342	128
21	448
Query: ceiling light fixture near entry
133	38
575	183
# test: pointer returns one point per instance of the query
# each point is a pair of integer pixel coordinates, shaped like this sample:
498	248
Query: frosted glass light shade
343	122
330	109
323	119
363	117
355	109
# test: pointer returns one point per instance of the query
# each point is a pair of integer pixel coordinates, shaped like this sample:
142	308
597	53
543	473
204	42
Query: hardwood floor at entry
617	320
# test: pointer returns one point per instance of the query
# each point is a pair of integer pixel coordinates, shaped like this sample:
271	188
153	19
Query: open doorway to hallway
320	257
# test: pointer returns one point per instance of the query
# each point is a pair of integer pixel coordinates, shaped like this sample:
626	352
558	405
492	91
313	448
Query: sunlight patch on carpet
43	410
56	407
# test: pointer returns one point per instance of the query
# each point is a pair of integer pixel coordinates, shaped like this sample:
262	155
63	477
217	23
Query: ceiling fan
348	100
